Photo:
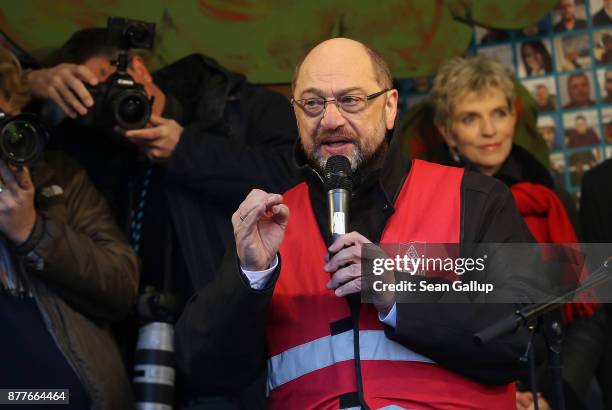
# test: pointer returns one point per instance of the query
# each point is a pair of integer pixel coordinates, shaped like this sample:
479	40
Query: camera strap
137	219
137	212
168	248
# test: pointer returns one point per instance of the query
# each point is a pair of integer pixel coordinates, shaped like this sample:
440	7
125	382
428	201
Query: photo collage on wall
565	62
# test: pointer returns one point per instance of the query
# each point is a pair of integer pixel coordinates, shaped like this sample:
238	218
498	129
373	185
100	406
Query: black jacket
596	219
601	18
596	203
226	351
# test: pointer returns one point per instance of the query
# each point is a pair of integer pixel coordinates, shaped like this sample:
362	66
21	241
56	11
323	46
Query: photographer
65	269
211	138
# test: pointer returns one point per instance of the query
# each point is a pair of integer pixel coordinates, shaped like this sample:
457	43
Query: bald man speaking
281	303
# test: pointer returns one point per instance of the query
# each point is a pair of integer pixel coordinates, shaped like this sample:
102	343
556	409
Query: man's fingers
339	243
8	178
280	209
57	98
157	120
280	214
259	196
344	275
273	200
23	178
144	133
344	256
346	240
255	199
84	73
524	399
270	203
349	288
248	223
244	211
78	88
255	194
68	96
543	404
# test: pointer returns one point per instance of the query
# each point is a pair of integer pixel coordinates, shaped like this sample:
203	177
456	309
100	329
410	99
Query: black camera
22	138
128	33
120	100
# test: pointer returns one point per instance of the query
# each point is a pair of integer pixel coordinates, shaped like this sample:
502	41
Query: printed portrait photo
569	15
549	128
577	90
601	12
581	129
573	52
544	92
502	53
534	58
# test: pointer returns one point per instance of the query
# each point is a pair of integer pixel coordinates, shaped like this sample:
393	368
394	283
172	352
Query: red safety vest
308	367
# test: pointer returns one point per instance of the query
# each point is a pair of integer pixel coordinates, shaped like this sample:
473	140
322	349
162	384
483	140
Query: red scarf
548	222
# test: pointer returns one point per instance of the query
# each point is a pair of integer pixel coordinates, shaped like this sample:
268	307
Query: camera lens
132	110
20	142
137	32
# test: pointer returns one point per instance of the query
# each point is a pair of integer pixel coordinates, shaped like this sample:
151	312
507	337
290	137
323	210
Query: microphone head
338	173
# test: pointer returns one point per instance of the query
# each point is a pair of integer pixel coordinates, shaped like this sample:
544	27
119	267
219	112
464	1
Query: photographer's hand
17	212
159	141
63	84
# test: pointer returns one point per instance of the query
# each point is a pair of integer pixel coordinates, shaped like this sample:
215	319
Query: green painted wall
265	38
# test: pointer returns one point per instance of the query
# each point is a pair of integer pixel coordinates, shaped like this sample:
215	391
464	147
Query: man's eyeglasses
349	103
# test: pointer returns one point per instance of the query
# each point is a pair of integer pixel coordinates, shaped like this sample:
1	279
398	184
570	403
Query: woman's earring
454	154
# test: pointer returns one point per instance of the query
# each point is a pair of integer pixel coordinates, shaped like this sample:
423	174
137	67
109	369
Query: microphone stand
529	314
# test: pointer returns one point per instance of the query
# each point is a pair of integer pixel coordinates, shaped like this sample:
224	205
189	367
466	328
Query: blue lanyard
137	213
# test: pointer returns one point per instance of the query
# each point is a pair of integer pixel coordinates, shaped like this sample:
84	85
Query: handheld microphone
338	184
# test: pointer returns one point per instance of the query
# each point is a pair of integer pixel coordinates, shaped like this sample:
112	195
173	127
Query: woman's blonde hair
13	85
460	76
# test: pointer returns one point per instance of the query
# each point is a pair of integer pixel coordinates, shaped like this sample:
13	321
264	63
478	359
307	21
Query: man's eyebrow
319	92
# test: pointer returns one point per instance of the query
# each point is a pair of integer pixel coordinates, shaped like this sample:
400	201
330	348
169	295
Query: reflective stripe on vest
328	350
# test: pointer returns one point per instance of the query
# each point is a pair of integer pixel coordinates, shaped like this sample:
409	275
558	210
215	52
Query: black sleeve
595	217
583	347
489	213
570	207
226	167
77	249
444	332
220	336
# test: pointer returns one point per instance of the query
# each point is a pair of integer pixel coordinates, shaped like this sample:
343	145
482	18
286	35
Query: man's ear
391	108
141	71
